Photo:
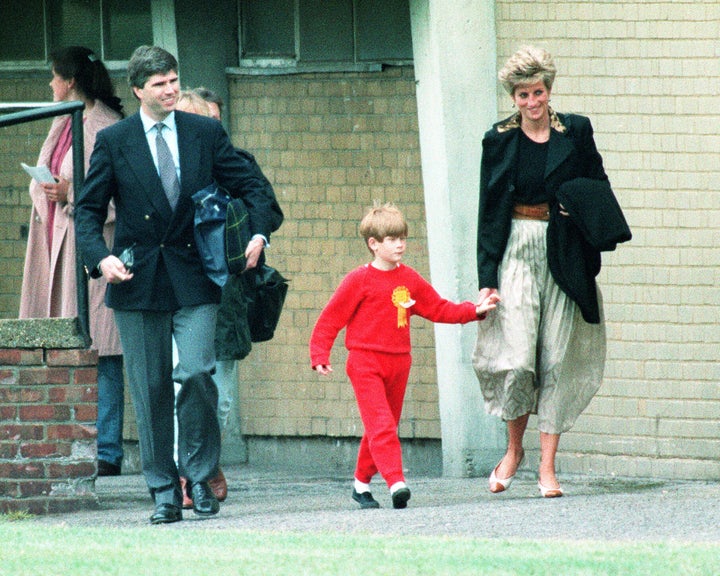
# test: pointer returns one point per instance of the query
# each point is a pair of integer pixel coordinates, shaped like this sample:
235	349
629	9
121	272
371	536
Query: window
305	33
112	28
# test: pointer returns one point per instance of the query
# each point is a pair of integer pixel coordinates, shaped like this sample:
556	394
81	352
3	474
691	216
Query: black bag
265	291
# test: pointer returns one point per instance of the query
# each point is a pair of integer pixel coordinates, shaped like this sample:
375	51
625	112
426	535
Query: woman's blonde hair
189	101
382	221
527	66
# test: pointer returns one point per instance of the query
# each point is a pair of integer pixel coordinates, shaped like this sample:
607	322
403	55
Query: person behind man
212	99
208	103
151	164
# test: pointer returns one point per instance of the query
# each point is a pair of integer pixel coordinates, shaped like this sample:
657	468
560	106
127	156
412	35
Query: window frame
252	66
9	68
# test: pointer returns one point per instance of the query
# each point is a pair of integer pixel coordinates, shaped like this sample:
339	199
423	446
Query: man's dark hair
147	61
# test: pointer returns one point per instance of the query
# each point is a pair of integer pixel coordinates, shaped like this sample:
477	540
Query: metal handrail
30	112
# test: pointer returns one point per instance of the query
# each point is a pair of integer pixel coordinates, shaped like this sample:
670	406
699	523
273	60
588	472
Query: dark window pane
128	24
21	30
268	28
326	31
75	23
383	30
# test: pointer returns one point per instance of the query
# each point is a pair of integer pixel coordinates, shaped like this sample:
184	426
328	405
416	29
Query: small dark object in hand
127	257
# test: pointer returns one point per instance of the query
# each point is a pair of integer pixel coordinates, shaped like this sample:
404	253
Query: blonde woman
542	351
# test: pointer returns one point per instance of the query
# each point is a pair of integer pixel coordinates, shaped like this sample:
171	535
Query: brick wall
20	143
331	144
48	408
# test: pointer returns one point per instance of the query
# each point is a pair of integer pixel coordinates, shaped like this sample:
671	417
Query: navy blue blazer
167	269
571	154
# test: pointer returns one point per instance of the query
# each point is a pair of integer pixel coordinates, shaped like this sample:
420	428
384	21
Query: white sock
361	487
397	486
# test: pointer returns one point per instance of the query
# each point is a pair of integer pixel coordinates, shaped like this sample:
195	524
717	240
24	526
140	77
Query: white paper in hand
40	173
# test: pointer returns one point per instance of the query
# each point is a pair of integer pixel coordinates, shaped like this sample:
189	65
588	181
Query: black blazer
167	270
571	154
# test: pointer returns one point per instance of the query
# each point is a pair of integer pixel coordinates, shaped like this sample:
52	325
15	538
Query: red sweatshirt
375	306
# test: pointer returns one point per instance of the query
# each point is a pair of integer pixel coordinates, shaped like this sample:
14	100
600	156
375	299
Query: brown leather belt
531	212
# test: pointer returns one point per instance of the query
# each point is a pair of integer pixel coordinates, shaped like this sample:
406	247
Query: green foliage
16	516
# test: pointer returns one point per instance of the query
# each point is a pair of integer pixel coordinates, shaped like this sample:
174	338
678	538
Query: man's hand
113	270
253	251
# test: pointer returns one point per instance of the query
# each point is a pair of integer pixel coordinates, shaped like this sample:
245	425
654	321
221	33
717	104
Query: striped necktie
166	167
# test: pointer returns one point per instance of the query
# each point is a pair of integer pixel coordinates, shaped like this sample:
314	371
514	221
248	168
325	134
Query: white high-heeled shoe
546	492
497	485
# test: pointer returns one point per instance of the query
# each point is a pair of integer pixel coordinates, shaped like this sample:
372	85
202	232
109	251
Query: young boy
374	303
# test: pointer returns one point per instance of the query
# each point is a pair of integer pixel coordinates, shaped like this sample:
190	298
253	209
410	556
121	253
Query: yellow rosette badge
402	301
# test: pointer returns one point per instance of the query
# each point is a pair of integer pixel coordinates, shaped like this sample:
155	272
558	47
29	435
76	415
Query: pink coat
49	286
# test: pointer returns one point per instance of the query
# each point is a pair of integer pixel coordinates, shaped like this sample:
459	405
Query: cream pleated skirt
535	353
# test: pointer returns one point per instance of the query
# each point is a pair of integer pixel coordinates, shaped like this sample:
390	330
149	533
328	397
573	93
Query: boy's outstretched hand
323	369
487	300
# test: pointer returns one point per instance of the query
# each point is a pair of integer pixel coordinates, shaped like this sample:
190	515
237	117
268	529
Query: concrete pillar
455	69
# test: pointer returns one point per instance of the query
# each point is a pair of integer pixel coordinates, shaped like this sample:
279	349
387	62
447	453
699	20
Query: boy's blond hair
382	221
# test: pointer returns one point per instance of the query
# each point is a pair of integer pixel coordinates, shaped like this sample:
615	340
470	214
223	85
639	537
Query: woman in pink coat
49	286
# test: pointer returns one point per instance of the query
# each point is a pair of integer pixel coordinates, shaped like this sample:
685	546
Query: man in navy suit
164	293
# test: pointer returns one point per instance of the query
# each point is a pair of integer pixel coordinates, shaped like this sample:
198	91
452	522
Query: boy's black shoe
400	498
365	499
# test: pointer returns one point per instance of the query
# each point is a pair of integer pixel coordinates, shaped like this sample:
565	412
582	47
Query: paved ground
592	508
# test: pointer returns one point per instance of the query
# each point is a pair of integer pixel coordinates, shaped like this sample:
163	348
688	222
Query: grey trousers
147	346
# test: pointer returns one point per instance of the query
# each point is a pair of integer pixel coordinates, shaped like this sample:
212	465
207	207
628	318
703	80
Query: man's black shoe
204	501
105	468
400	498
166	514
365	499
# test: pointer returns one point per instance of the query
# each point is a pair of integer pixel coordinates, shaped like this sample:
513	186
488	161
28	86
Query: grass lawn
29	548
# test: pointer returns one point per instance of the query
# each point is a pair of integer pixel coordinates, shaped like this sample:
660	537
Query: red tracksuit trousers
379	381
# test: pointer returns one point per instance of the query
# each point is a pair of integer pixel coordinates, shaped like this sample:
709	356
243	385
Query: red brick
8	377
69	394
45	450
21	470
85	412
21	432
44	376
70	432
76	470
21	357
45	413
35	488
9	488
74	357
8	450
85	376
21	395
34	506
59	394
90	394
8	413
